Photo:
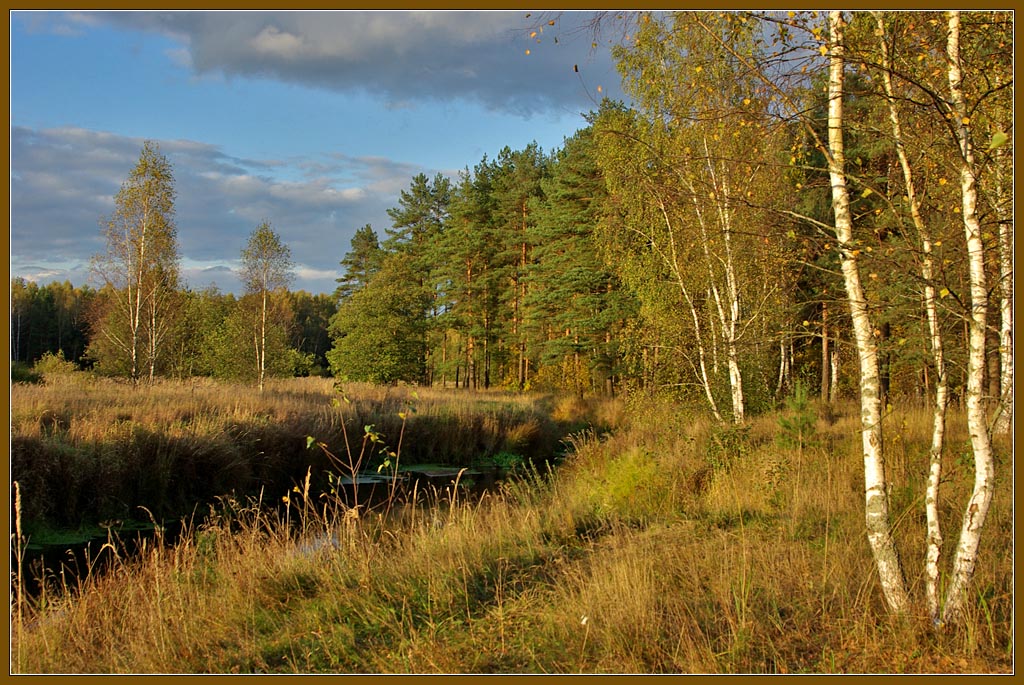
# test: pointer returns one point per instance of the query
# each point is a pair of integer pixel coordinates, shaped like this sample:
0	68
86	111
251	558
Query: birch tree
984	465
266	267
879	526
704	142
140	264
933	544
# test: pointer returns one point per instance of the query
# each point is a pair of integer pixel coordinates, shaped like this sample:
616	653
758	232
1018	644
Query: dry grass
99	449
671	545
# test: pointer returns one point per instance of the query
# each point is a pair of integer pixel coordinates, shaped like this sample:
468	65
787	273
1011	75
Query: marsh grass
649	549
89	452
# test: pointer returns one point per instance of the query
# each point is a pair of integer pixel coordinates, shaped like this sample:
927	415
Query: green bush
55	364
797	423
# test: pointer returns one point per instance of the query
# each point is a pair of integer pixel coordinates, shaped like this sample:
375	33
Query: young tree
266	268
141	262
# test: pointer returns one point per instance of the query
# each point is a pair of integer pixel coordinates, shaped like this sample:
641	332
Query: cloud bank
63	183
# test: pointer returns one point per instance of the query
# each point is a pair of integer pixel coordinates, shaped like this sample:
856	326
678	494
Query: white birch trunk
728	321
981	497
672	261
879	529
262	347
1004	419
703	371
933	544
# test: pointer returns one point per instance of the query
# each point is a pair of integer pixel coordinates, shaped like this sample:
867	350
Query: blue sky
314	121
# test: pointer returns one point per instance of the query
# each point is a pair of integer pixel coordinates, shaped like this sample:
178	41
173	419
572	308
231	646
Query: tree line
685	242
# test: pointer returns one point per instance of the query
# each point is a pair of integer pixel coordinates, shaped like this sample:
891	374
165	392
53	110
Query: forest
685	243
796	209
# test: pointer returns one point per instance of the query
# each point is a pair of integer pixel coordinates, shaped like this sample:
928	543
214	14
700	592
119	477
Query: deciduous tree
266	268
140	263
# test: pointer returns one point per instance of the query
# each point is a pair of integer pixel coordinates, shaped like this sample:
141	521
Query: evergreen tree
361	262
575	306
517	182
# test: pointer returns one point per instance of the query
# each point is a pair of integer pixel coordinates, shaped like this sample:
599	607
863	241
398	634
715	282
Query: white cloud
63	182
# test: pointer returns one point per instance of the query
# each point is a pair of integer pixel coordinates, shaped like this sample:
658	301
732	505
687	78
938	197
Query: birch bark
984	470
890	571
933	546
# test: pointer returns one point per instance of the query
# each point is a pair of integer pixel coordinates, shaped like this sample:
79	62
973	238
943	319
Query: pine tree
361	262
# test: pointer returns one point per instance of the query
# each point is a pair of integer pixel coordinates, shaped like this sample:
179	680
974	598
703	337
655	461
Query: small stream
77	555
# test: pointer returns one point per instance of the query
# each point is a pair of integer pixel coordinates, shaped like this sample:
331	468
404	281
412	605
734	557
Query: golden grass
649	550
100	449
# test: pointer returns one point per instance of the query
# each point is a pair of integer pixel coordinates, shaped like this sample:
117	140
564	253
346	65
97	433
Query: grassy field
668	544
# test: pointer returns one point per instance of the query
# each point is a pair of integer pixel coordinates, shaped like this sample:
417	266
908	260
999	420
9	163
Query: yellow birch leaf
823	50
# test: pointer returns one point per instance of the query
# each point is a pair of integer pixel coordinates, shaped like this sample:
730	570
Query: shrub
51	364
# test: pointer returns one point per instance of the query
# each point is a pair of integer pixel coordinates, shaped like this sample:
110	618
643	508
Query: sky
311	121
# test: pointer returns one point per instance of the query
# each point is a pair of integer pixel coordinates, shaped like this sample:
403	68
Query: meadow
657	541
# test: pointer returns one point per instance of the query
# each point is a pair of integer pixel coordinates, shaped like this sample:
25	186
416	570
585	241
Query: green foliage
728	443
379	332
55	364
24	373
49	318
139	267
797	424
575	305
361	263
266	261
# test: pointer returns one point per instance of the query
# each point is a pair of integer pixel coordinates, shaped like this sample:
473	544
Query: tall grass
669	545
97	450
